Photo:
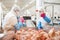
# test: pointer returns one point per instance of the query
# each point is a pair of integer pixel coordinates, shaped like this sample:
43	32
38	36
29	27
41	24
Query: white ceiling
21	3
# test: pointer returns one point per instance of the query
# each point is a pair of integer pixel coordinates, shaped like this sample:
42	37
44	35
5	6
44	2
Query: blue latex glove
18	26
39	25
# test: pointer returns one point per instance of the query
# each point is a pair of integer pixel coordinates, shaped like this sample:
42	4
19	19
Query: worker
43	20
10	19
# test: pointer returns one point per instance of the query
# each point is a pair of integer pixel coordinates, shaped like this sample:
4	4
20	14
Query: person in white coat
10	19
43	20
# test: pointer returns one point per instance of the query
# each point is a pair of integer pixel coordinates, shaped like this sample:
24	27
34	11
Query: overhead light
16	1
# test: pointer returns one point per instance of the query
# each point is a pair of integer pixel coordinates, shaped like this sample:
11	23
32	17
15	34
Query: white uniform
9	20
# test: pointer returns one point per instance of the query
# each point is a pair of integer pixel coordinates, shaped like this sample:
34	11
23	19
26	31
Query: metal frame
52	3
52	7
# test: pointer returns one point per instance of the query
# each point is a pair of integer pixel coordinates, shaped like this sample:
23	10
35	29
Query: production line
29	20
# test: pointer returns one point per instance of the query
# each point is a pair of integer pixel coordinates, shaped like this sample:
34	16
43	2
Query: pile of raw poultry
33	34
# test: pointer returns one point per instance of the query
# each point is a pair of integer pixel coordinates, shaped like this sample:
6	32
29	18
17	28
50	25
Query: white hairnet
15	7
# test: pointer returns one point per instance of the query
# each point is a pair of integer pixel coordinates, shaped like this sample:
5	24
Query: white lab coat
9	20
